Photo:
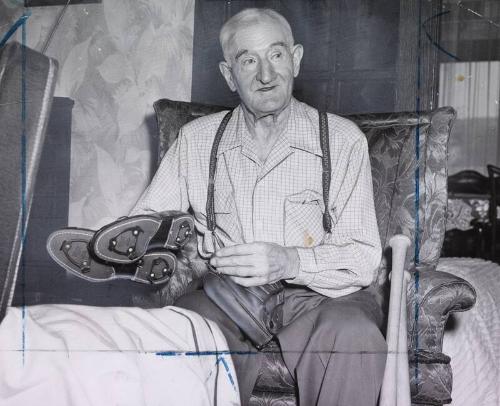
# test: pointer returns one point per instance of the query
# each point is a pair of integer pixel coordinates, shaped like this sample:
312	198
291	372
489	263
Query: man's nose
266	73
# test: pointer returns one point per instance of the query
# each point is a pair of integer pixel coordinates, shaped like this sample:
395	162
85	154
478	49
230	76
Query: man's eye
248	61
276	55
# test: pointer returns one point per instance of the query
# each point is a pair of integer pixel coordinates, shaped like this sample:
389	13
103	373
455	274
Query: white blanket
81	355
474	342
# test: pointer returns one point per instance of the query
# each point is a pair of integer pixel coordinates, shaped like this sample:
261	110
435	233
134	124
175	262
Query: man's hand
257	263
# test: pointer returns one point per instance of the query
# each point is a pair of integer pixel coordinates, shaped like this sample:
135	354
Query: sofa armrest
432	296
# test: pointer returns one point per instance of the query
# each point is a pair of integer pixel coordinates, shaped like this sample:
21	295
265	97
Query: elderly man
269	218
278	215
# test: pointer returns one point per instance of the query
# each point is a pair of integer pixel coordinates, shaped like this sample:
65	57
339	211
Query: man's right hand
258	263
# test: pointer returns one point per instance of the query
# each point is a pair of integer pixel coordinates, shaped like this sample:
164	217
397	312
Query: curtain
473	89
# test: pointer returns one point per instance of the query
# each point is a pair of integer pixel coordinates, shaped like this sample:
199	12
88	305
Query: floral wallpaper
115	59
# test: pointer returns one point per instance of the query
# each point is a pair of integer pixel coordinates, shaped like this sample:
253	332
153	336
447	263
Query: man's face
261	67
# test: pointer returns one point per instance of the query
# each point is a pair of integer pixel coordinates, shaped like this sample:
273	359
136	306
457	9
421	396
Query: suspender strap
327	167
325	161
211	175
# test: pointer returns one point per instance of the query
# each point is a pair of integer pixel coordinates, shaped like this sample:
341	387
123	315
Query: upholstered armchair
431	295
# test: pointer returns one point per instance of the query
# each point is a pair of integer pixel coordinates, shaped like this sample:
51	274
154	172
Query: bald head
250	17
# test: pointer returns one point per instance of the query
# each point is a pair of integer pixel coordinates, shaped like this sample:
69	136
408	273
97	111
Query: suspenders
327	168
211	174
325	162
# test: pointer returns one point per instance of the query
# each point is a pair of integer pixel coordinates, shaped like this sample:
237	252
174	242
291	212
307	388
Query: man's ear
225	69
297	52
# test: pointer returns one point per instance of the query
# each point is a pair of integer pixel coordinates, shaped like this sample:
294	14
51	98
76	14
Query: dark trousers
333	347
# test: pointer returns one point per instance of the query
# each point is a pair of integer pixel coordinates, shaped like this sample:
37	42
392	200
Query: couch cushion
391	141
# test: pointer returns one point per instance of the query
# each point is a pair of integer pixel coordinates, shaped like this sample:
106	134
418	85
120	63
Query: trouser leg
335	349
247	360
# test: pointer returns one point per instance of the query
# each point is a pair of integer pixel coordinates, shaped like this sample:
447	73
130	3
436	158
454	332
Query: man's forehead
258	36
242	51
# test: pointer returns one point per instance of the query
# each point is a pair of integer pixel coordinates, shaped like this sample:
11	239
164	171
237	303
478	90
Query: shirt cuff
307	262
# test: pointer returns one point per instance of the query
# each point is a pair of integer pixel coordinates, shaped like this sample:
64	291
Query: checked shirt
279	200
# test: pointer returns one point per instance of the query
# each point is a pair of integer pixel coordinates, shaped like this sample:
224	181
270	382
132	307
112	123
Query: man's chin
268	107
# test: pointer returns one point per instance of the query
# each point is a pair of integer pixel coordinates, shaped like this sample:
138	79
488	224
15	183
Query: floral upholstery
391	142
392	146
438	295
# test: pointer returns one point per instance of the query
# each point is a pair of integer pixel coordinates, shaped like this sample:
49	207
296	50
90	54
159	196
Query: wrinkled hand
257	263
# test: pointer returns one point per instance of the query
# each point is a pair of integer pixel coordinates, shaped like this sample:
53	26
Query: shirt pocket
228	225
303	222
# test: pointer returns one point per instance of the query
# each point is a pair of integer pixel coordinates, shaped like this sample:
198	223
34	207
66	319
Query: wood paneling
417	66
360	56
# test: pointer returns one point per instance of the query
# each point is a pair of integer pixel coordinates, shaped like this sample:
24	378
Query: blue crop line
202	353
226	367
20	22
456	58
23	18
417	185
433	42
218	354
168	353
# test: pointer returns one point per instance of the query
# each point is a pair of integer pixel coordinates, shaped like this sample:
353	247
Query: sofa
431	295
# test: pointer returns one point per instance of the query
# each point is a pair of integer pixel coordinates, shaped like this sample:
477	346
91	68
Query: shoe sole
127	240
69	249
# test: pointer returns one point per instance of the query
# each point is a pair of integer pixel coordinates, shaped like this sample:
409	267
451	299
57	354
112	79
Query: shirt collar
302	130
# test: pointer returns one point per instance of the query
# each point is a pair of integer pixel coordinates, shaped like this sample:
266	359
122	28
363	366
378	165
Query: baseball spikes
127	239
69	249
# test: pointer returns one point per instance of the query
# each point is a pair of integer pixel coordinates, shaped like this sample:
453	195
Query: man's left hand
257	263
